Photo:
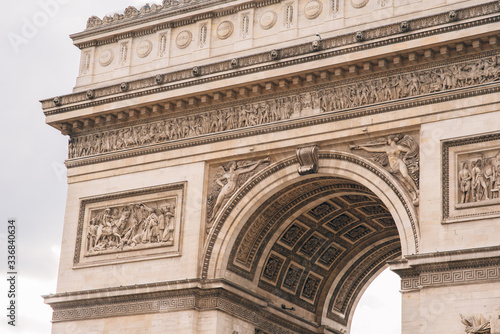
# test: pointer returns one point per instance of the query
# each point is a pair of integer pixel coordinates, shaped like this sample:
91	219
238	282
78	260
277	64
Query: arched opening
312	243
379	306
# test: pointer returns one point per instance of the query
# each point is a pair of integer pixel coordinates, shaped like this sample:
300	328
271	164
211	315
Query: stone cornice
119	22
113	93
468	266
192	294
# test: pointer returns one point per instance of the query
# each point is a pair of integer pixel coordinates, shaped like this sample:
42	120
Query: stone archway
312	242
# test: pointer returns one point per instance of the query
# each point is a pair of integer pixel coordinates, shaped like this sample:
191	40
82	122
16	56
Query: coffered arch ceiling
324	238
313	242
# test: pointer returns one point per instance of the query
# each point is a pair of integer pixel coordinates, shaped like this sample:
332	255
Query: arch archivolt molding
266	186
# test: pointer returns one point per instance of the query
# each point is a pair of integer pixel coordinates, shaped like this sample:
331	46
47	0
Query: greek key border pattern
457	276
142	191
445	157
212	299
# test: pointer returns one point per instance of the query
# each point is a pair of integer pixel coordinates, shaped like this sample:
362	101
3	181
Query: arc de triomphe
244	166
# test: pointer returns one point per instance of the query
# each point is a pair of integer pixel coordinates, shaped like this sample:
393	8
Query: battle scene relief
134	224
131	226
471	178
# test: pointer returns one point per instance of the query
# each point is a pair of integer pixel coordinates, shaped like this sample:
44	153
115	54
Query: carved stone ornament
360	36
471	178
316	45
141	220
418	82
225	29
399	154
124	86
159	79
90	94
358	3
144	48
313	9
405	26
308	160
476	324
196	71
227	180
268	20
235	62
275	54
106	57
57	101
183	39
452	16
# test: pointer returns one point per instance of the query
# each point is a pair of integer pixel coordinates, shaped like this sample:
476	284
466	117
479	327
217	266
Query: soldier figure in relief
479	188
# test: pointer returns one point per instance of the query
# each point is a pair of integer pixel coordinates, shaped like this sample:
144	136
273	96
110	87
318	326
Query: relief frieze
471	178
129	225
322	99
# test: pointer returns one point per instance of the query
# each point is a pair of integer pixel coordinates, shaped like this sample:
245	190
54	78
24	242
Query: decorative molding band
191	299
320	99
449	273
260	130
462	276
288	52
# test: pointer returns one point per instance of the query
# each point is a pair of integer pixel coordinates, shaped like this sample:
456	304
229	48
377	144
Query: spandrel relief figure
131	226
400	154
228	179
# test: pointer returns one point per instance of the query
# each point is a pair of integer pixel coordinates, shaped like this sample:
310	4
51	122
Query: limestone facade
251	166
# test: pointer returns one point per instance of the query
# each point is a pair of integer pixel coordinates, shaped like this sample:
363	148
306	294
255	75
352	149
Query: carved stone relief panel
317	100
471	178
226	179
86	62
125	226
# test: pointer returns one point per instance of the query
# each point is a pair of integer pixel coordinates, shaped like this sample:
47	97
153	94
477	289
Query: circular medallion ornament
106	57
144	48
183	39
268	20
359	3
313	9
225	29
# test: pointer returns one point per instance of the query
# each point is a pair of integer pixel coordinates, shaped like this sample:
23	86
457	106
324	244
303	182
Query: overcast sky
37	61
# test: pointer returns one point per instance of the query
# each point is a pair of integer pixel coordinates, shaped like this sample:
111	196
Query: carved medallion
359	3
268	19
106	57
313	9
183	39
144	48
225	29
